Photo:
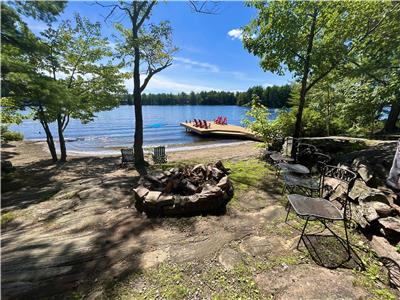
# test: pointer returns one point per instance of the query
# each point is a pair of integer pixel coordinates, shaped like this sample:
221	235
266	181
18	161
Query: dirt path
72	228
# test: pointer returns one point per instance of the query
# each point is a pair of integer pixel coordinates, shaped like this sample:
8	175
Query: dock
233	131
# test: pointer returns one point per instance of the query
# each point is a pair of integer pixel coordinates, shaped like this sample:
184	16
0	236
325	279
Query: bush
313	123
8	135
257	121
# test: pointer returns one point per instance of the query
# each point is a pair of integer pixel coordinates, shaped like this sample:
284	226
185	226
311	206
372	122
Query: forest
271	96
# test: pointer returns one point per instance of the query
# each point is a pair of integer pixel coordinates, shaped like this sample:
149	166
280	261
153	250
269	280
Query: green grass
165	280
235	284
373	278
247	174
7	218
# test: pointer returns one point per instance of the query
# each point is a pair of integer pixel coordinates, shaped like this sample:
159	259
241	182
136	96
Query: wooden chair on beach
159	156
127	156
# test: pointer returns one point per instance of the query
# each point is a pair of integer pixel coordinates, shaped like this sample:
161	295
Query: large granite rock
390	228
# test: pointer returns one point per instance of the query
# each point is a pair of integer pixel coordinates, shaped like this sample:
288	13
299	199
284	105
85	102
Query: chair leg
288	207
347	237
302	233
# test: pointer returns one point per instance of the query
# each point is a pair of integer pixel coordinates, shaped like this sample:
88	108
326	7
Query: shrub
257	121
8	135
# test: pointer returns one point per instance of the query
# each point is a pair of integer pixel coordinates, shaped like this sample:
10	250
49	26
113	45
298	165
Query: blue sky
211	55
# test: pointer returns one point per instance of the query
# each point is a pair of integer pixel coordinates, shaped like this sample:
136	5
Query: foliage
8	135
257	121
312	39
271	96
147	49
7	218
66	76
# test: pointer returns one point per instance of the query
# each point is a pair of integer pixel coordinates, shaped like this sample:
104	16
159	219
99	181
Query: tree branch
114	6
203	9
151	73
146	14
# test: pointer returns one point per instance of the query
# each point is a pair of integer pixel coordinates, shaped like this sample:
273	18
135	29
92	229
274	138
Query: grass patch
374	278
247	174
235	284
165	281
7	218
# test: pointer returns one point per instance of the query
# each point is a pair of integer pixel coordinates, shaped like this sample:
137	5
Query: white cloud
236	33
160	83
267	84
203	65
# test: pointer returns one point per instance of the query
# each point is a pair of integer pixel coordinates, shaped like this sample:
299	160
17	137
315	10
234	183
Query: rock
223	183
221	166
217	173
6	166
373	195
369	213
382	209
357	190
390	228
229	258
362	169
363	193
396	209
152	197
384	249
199	168
141	191
165	200
358	215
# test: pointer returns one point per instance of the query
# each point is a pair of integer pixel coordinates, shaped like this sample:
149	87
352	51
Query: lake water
114	129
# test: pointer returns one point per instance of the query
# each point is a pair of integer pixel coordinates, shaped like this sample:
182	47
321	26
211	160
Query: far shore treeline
271	96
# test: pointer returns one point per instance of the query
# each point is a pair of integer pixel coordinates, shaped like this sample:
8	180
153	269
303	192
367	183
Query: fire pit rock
184	191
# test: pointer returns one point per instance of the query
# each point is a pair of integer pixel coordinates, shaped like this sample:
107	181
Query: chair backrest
127	155
304	152
321	160
342	176
159	151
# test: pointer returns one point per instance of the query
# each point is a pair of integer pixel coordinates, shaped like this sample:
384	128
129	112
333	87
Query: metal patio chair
127	156
321	209
306	185
159	156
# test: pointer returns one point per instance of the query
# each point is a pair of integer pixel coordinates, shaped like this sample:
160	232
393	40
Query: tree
146	43
311	39
67	78
17	41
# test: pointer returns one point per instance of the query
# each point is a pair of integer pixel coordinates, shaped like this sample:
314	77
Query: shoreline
30	152
147	149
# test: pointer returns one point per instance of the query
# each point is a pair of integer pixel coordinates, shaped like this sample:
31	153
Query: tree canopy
312	39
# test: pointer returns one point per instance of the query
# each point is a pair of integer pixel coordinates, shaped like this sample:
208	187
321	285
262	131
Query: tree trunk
49	136
390	125
61	139
306	72
137	100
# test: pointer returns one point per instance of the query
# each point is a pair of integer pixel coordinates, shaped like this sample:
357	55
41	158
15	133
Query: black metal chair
127	156
305	184
321	209
159	156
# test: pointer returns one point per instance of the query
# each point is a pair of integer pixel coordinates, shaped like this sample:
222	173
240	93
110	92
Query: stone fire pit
189	190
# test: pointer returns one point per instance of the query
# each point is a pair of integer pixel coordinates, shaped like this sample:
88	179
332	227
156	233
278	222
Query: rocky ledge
190	190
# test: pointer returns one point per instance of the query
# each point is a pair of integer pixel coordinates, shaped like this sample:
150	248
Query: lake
114	129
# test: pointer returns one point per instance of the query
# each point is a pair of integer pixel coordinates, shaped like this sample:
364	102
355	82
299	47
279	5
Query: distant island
271	96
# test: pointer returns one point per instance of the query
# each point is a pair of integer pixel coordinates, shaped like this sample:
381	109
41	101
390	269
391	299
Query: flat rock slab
229	258
264	246
309	282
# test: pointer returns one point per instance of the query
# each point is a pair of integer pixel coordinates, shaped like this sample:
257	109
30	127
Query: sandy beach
27	152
